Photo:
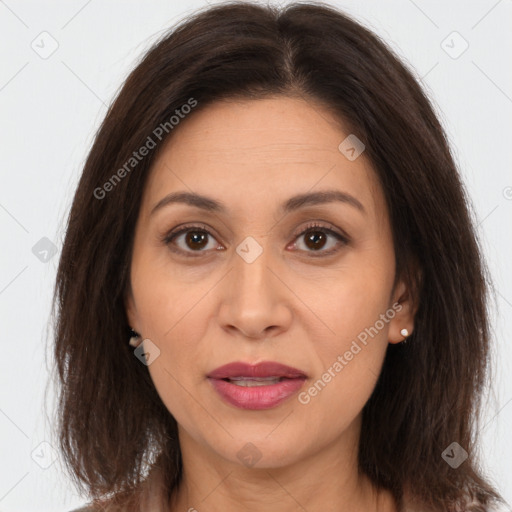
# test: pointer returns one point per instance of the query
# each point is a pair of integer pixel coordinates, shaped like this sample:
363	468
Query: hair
112	425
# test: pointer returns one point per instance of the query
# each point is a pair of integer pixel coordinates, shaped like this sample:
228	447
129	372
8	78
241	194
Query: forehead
260	150
276	129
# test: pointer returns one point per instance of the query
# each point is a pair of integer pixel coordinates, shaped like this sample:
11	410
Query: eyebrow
293	203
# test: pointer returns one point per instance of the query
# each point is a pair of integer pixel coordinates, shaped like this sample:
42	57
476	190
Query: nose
255	299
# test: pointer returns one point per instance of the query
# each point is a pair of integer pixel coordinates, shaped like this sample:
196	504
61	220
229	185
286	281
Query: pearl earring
404	333
136	339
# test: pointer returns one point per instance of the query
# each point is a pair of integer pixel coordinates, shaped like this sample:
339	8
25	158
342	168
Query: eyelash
169	237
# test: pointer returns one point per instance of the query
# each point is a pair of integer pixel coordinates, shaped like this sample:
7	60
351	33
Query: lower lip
257	397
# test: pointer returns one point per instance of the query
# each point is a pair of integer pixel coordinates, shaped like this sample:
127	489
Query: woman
270	295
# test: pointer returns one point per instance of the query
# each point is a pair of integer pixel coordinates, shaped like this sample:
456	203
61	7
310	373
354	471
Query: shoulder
150	497
96	506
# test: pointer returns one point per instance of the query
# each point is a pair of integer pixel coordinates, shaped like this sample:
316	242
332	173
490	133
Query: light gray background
51	107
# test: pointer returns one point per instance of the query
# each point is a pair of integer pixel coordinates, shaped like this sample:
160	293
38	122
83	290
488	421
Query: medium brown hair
112	425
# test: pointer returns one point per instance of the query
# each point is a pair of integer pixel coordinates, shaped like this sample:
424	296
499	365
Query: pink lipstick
260	386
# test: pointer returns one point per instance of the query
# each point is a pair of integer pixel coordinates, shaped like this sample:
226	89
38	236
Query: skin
287	305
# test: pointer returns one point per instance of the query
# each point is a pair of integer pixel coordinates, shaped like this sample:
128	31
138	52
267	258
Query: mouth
261	386
249	382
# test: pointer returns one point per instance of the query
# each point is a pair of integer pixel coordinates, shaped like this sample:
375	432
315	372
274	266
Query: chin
261	451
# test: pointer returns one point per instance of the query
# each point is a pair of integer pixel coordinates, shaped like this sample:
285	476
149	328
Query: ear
130	309
405	304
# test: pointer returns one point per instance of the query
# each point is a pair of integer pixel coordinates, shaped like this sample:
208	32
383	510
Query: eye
318	237
194	239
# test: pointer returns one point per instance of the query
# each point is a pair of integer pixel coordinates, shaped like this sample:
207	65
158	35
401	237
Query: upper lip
263	369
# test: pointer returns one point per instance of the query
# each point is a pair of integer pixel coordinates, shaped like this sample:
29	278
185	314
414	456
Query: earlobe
402	324
135	338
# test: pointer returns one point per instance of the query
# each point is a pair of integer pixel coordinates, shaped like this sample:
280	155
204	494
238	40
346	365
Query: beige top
153	501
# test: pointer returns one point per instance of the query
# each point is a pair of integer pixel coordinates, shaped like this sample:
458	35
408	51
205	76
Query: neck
327	481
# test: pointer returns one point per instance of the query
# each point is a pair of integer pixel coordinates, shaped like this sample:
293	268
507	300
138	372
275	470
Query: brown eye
196	239
190	239
316	239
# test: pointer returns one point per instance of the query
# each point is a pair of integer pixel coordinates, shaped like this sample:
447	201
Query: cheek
177	372
179	395
174	314
348	364
351	351
166	295
165	308
335	399
348	301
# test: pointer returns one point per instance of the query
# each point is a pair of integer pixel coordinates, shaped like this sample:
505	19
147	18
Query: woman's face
246	284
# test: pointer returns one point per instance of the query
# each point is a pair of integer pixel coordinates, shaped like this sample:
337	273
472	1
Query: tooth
255	378
251	383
